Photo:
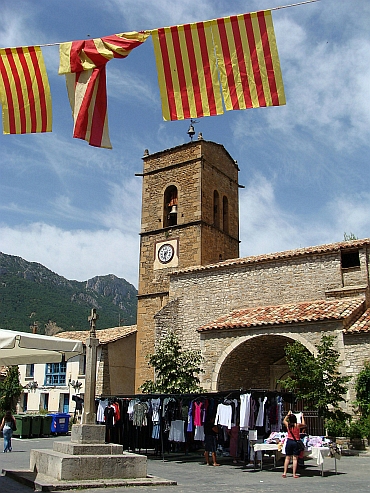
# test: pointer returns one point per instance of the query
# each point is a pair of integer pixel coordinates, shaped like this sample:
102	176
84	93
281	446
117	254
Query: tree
10	390
317	378
362	387
176	370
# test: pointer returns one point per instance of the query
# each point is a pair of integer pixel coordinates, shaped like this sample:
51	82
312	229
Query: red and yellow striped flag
187	71
248	61
24	91
232	60
84	63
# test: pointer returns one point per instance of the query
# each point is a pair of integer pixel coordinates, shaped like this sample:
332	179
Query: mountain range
33	296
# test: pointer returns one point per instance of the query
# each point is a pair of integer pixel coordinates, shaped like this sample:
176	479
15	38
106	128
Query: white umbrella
20	348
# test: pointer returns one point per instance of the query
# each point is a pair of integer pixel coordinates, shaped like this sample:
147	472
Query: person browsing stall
8	425
293	437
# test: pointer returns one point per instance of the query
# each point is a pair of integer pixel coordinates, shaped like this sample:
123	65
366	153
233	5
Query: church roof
104	335
288	254
361	325
344	309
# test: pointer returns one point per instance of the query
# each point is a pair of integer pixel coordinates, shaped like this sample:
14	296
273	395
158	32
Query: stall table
321	454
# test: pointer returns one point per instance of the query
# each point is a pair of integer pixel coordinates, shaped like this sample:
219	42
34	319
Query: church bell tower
190	217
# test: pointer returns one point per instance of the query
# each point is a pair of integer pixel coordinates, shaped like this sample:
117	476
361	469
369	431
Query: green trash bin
35	426
23	425
46	425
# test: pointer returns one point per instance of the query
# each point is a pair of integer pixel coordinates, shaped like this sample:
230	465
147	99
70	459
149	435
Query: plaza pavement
193	476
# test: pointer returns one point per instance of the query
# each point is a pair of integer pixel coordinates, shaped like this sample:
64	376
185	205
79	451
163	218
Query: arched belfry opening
257	363
170	206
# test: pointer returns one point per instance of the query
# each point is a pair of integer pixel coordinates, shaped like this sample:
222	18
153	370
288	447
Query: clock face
166	253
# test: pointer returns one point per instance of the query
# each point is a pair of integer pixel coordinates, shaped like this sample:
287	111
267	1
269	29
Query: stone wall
196	169
255	357
209	293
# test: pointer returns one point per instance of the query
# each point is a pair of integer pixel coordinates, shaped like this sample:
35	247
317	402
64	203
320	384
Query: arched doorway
257	363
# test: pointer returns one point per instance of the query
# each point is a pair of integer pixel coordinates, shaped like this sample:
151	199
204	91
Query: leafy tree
317	378
176	369
362	387
10	390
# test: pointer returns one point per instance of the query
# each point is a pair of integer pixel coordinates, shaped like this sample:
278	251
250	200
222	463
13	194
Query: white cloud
124	85
161	13
327	88
77	255
266	227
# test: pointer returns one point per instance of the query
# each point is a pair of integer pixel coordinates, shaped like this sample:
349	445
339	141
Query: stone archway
255	363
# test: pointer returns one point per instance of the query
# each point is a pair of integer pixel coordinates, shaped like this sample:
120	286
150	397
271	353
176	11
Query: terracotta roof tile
104	335
361	325
342	309
327	248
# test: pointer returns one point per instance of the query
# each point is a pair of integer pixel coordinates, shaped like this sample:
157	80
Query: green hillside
30	293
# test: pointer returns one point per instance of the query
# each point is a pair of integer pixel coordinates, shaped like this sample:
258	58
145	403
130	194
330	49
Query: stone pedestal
87	457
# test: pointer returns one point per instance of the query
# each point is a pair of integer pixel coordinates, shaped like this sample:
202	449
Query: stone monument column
92	342
88	432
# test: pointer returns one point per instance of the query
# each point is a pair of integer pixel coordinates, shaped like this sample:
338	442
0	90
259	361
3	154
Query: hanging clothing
140	412
261	411
130	408
199	433
103	403
110	416
224	415
177	433
245	409
190	417
155	407
198	407
156	430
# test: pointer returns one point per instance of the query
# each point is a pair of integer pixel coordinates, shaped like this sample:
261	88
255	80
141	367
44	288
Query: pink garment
198	413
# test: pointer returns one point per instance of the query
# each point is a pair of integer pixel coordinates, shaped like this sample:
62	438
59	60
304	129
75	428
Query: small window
56	373
30	371
350	259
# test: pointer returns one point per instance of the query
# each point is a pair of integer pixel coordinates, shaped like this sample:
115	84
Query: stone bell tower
190	217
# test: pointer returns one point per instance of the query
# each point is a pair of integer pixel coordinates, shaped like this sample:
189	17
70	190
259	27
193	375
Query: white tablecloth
318	453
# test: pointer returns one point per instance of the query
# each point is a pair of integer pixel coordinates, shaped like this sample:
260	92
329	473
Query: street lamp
31	385
76	385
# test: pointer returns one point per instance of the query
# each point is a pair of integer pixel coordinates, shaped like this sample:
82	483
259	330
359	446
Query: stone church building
239	312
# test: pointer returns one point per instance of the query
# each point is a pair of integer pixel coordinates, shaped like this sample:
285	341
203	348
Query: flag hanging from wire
83	63
24	91
187	71
231	61
248	61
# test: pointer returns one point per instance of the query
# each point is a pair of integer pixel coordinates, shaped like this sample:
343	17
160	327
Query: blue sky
305	166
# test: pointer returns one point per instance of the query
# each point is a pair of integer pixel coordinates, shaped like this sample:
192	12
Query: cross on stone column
92	321
92	342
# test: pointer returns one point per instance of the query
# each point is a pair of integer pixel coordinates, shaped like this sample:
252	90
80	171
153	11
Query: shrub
357	429
337	428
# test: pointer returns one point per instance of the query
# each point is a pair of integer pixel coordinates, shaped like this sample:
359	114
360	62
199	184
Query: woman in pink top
291	447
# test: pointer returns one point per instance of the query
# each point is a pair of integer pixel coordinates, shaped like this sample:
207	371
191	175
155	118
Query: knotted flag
84	63
232	61
24	91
